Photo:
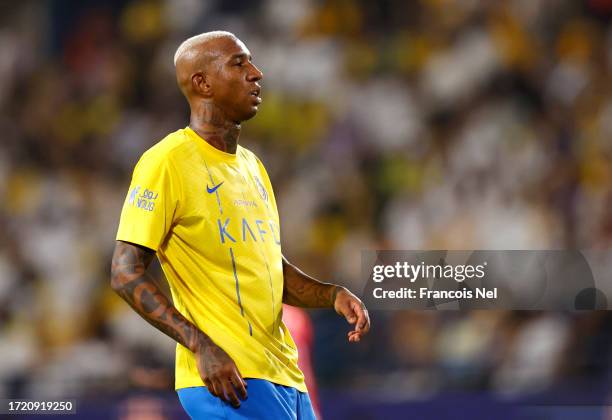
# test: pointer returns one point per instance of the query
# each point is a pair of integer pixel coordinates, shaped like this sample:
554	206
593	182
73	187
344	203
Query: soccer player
204	205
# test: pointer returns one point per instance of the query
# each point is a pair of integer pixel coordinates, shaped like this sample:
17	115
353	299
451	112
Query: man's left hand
355	312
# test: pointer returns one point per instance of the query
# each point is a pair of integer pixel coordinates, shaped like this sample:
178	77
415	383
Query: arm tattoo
130	281
302	290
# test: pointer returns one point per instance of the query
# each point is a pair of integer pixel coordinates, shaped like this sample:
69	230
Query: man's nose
255	74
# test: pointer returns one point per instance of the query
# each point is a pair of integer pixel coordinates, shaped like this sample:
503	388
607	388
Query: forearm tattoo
130	281
302	290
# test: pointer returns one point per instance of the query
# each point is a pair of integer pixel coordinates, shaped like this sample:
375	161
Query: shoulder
249	156
170	150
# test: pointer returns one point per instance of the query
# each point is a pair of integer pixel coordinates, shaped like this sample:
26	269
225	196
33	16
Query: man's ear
200	84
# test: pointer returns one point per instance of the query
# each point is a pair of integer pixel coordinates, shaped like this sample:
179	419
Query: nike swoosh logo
213	189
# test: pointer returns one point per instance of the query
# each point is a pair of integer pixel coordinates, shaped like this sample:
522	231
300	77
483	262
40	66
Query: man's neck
210	123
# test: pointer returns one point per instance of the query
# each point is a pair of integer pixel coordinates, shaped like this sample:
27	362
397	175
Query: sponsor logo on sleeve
144	201
133	195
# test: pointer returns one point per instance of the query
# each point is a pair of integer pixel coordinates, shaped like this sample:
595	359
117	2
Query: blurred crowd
431	124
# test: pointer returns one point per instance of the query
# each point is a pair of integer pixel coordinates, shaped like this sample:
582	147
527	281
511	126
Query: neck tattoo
211	124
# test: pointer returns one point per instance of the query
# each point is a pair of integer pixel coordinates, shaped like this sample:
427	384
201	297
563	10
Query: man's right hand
131	281
219	373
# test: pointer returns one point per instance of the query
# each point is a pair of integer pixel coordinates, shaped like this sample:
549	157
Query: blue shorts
265	400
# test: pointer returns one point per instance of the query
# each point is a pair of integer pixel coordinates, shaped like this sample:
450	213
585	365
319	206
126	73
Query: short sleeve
151	203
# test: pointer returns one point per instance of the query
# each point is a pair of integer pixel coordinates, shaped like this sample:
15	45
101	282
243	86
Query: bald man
204	205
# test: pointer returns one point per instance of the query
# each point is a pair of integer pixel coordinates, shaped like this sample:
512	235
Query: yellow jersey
212	219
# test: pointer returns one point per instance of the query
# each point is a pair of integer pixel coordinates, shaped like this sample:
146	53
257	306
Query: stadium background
431	124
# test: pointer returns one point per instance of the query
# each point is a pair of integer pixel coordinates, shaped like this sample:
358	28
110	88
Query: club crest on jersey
262	191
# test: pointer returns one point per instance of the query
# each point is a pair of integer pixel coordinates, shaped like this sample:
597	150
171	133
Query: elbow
115	284
115	277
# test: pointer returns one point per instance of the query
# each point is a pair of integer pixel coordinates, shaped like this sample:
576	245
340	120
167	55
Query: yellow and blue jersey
212	219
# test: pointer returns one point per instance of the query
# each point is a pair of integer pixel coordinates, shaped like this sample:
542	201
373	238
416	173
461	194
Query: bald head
190	47
196	53
216	69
